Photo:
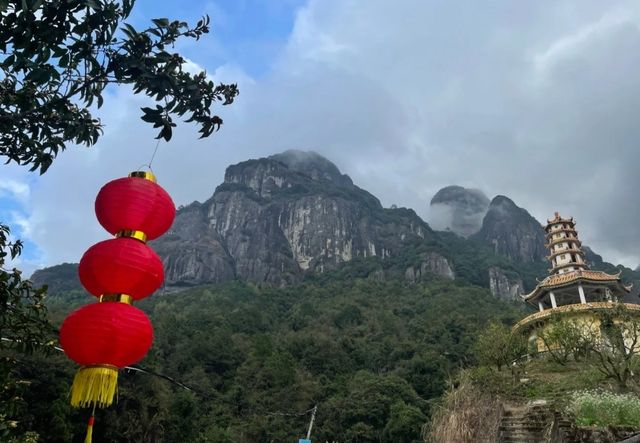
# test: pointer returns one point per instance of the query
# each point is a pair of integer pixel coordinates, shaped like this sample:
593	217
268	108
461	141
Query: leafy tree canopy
57	58
257	356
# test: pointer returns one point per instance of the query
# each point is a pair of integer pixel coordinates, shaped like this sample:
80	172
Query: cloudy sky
535	100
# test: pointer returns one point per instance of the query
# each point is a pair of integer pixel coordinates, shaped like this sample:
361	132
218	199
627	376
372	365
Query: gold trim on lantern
138	235
147	175
103	365
120	298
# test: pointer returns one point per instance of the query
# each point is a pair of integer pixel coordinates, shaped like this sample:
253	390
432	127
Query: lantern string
153	156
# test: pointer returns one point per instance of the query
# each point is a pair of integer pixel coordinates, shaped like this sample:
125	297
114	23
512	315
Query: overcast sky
535	100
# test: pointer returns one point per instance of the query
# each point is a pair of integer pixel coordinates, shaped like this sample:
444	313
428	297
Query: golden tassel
94	385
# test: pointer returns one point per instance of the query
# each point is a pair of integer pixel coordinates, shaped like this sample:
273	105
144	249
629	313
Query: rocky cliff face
275	218
458	209
58	278
192	252
504	287
432	264
512	231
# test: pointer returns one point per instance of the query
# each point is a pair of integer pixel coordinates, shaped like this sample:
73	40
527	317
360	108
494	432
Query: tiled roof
561	279
558	219
556	280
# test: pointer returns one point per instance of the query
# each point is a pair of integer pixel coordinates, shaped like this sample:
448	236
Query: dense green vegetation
371	355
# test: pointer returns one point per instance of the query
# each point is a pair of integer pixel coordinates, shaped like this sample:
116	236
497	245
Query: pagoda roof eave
559	281
558	219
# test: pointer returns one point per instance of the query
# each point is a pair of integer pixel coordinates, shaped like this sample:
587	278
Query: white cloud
14	189
535	100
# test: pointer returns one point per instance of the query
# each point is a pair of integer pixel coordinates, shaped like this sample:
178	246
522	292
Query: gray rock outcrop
432	264
503	287
275	218
512	231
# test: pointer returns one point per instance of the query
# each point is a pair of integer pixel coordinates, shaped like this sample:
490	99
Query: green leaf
129	30
161	22
38	76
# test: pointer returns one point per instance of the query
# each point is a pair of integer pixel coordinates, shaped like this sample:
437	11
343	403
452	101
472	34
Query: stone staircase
532	423
538	422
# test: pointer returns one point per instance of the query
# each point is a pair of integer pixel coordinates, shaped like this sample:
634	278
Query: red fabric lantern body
110	333
105	336
121	266
135	204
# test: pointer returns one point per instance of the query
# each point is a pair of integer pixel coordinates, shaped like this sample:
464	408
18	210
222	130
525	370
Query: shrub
601	408
465	414
498	346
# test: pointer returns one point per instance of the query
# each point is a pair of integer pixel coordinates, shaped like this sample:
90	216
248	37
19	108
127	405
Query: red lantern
111	334
121	266
103	337
135	204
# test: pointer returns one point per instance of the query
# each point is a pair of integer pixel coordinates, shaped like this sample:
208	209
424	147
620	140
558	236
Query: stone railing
576	308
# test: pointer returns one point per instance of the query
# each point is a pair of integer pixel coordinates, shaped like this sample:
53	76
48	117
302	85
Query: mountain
292	216
457	209
512	231
59	278
274	219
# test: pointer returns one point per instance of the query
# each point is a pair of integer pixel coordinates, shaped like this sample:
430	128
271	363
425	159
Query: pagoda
571	288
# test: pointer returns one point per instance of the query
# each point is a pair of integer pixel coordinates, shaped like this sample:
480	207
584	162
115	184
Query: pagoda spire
565	248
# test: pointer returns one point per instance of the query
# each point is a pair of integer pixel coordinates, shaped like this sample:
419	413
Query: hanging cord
153	156
154	153
157	144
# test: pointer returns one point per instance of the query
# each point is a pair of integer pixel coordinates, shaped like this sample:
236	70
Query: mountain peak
459	193
311	164
512	231
276	218
458	209
507	207
503	201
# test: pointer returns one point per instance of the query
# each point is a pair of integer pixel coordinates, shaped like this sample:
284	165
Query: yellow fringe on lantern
94	385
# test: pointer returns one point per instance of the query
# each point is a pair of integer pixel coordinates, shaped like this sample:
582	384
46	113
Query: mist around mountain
458	209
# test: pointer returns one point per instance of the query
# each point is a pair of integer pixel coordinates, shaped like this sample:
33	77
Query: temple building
571	288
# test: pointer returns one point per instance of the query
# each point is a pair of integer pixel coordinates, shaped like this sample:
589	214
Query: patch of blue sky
13	197
244	33
8	207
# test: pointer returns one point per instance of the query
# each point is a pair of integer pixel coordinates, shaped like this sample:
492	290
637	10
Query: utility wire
137	368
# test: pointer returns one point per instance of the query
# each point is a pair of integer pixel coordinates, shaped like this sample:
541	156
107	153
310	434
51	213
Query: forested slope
372	355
